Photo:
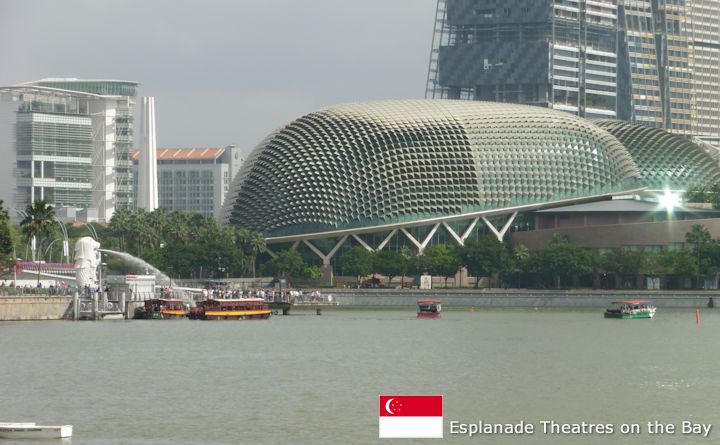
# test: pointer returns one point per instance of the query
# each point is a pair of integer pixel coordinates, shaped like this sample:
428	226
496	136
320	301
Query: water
304	379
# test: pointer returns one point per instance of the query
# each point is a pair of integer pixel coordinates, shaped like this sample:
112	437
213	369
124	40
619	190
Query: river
307	379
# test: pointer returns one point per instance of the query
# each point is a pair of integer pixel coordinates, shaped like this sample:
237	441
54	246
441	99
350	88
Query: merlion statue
87	258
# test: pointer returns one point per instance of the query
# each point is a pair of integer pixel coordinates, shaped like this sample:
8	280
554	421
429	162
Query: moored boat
29	430
236	309
162	309
631	309
429	308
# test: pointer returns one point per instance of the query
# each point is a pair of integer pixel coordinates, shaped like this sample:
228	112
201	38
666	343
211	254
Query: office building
653	62
71	146
195	179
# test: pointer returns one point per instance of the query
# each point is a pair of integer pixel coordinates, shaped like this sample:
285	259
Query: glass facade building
72	144
653	62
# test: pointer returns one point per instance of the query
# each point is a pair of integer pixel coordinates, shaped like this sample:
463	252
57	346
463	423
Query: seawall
467	298
15	308
35	308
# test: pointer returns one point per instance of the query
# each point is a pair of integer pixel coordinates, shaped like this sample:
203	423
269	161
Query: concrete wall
511	298
616	236
36	308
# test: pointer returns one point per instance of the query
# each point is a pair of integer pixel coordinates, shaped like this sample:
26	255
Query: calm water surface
304	379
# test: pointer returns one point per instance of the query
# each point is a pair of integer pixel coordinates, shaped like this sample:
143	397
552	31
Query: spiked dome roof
388	163
666	160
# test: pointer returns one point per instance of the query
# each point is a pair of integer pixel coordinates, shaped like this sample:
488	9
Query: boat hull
422	315
643	314
262	314
27	431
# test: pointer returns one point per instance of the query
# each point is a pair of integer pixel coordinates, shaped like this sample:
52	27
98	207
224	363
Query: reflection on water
305	379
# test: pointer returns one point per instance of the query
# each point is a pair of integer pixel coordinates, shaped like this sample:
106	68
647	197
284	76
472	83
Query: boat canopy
429	300
634	302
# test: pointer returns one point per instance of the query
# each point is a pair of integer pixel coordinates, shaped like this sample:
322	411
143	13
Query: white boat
27	430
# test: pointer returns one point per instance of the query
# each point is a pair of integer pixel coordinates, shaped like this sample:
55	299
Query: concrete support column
327	275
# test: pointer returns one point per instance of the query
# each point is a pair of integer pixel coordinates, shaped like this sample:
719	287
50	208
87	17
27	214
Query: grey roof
624	206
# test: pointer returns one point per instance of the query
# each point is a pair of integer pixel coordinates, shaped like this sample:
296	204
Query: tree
442	260
7	239
485	256
561	258
390	264
38	224
290	264
699	237
251	242
357	261
120	225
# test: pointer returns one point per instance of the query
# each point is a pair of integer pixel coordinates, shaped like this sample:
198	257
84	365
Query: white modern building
70	145
194	179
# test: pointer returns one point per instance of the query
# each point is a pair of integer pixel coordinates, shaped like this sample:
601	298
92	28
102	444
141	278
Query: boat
429	308
28	430
162	309
631	309
235	309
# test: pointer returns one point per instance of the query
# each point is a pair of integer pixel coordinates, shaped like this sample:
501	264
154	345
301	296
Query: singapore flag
411	417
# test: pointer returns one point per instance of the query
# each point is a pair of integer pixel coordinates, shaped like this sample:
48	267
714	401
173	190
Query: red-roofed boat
237	309
429	308
631	309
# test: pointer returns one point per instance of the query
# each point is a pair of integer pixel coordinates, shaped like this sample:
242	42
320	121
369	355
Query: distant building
194	179
72	140
644	61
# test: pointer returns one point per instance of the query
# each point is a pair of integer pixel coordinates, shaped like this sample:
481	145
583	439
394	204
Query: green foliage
290	264
184	244
487	256
703	193
679	262
357	261
624	262
442	260
391	264
561	259
39	223
7	235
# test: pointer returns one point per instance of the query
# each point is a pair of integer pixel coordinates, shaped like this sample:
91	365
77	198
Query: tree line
559	264
189	245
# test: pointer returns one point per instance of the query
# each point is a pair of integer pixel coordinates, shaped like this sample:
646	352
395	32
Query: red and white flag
411	417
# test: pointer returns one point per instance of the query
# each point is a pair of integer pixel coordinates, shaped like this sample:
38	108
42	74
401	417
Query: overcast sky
225	72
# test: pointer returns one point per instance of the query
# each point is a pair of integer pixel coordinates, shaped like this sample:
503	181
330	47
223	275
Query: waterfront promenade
48	307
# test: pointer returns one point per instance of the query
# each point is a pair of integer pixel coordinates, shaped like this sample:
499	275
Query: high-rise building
72	145
194	179
551	53
705	17
654	62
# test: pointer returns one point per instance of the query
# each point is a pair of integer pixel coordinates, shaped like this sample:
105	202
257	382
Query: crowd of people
269	295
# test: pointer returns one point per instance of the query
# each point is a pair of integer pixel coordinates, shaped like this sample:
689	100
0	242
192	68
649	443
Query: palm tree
252	243
38	223
120	224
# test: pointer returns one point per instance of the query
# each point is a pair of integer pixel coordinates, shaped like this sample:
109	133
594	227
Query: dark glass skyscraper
648	61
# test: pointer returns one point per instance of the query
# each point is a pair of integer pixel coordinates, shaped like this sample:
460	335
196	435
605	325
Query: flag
411	417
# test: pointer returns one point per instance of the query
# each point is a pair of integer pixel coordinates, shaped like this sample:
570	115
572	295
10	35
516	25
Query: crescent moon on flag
387	405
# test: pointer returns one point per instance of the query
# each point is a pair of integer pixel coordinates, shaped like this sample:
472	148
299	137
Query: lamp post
66	243
48	248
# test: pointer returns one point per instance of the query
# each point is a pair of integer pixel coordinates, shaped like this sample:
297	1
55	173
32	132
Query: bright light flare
669	200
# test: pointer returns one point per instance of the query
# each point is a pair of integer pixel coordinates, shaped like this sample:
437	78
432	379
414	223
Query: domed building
412	171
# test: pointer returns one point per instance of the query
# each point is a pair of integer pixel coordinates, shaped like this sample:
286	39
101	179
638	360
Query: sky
225	72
